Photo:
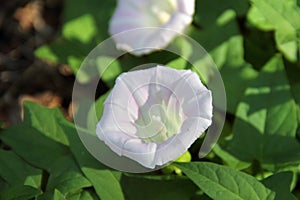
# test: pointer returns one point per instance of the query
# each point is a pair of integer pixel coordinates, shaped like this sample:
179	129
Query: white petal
137	15
199	106
196	100
143	153
116	135
174	147
177	91
186	6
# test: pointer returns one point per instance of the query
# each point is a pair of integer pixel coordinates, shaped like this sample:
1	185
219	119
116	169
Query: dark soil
24	26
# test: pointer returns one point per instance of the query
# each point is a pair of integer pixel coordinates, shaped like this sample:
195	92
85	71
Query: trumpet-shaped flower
154	115
169	17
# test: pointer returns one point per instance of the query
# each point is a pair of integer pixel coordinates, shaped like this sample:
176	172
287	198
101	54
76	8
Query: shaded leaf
34	147
207	12
229	159
3	184
103	180
259	47
84	195
281	184
21	192
142	187
57	195
66	177
16	171
293	71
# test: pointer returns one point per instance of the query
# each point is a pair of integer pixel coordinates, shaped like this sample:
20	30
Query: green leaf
46	52
3	184
45	120
16	171
85	26
106	184
103	180
68	182
84	195
67	177
293	71
225	45
169	169
109	68
178	63
98	107
21	192
215	37
34	147
257	18
280	183
220	182
229	159
236	73
143	187
259	47
207	13
79	16
284	16
72	30
42	151
266	120
58	195
62	51
78	195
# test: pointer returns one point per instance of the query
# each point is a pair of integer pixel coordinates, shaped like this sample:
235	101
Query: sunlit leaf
284	16
220	182
266	120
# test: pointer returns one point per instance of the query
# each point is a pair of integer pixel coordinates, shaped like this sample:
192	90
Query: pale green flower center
158	123
163	10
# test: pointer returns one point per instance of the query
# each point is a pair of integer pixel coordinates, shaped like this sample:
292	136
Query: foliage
255	45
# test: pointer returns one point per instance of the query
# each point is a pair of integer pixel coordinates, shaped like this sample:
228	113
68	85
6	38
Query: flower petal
165	22
156	104
133	148
174	147
196	100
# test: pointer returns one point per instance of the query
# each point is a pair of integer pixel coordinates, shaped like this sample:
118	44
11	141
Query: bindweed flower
166	15
154	115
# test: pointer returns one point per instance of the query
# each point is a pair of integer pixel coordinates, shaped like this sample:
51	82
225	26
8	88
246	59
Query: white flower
168	17
154	115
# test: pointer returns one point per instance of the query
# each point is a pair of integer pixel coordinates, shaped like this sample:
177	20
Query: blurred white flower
168	17
154	115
